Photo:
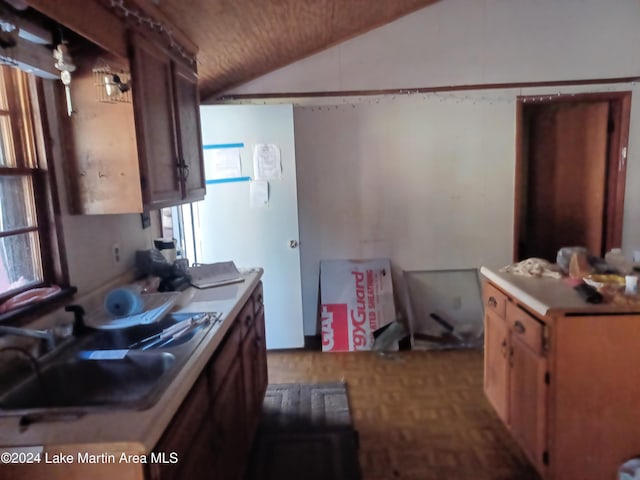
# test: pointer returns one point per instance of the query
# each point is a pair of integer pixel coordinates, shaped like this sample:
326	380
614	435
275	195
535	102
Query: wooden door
528	400
566	178
496	365
188	132
155	129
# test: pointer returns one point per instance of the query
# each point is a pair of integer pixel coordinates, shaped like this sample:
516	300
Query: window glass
17	209
4	105
20	263
7	154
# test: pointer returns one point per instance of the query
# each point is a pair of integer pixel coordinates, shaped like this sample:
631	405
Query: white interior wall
425	180
89	242
463	42
428	180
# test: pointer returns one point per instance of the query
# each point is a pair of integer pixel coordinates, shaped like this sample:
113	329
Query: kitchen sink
139	368
134	337
88	383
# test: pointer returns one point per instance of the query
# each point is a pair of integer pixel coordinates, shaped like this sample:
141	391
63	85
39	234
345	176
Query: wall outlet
116	253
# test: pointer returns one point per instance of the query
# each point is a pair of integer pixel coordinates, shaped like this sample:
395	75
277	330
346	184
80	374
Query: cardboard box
357	299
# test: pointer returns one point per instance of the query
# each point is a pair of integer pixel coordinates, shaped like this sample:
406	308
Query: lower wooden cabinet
528	401
255	372
191	425
515	370
213	430
230	442
496	365
564	382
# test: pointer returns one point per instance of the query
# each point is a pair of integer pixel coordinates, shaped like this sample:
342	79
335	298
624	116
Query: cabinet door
155	130
230	439
249	370
262	377
193	415
187	105
528	400
496	363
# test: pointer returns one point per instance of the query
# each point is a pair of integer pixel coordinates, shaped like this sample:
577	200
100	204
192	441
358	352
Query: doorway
570	173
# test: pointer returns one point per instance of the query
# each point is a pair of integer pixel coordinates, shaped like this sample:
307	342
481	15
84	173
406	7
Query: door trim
620	112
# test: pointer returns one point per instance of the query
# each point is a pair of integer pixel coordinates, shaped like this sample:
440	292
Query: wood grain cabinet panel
166	105
567	394
153	106
496	365
528	400
213	430
137	156
189	133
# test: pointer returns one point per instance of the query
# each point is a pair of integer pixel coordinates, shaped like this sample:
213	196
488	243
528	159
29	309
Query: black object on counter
79	325
588	293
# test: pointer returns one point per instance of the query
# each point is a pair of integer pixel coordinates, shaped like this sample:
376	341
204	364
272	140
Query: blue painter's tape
223	145
228	180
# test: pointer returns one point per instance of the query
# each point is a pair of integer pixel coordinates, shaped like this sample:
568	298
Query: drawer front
527	328
494	300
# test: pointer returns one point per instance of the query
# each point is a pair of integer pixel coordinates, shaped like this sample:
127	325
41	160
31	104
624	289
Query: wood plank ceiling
240	40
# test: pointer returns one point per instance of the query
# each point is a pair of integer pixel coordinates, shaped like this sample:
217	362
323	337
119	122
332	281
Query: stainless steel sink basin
133	336
70	382
89	383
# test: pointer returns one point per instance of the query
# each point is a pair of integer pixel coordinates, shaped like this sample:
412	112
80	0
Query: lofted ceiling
240	40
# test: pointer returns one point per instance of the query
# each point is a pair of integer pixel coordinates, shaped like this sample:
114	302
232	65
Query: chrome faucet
46	335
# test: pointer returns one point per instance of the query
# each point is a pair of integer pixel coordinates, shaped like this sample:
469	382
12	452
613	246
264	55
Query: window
28	257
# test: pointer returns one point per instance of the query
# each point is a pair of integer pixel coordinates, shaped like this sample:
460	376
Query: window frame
30	135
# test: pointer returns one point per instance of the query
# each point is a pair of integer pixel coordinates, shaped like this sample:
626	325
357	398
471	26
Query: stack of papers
206	275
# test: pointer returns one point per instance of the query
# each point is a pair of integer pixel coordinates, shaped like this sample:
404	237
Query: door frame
616	168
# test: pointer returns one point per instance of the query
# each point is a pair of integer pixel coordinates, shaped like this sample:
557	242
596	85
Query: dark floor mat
306	432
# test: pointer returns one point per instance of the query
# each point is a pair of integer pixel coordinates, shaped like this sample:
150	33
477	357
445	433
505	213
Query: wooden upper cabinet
166	105
188	131
153	105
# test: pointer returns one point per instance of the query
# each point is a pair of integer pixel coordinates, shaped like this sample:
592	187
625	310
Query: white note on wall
223	163
259	193
266	161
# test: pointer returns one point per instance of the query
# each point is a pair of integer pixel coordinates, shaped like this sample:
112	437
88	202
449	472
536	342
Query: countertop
549	296
138	431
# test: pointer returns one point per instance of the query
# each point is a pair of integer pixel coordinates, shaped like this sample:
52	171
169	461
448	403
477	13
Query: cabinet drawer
494	300
526	327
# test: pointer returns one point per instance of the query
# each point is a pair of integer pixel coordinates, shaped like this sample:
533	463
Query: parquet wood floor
420	415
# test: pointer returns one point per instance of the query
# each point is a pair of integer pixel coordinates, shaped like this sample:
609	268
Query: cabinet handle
183	170
492	302
519	327
503	348
511	357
